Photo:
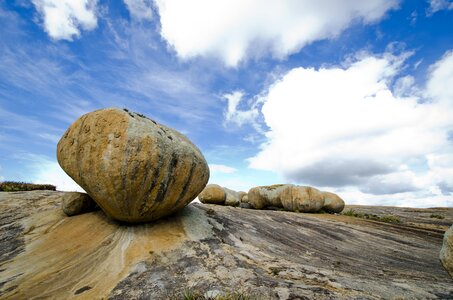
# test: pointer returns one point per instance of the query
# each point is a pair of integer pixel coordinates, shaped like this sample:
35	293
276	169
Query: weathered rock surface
288	196
74	203
233	198
262	196
136	169
332	202
212	248
302	199
213	194
446	253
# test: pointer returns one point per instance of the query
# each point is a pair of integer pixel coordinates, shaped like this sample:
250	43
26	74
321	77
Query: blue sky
354	97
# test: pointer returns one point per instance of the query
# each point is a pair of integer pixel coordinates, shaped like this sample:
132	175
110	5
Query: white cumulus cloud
140	9
63	19
221	169
234	29
345	127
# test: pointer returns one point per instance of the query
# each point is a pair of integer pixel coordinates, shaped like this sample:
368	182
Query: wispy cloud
140	9
437	5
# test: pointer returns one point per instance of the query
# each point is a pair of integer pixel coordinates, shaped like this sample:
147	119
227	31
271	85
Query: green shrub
14	186
386	219
434	216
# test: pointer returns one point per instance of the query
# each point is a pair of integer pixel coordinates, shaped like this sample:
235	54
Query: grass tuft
14	186
387	219
195	294
435	216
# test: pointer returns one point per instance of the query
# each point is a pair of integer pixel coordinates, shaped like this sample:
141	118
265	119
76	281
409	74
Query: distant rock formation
290	197
134	168
74	203
446	253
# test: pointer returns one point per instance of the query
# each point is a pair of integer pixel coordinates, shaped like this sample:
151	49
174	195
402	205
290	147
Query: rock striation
218	250
74	203
446	253
136	169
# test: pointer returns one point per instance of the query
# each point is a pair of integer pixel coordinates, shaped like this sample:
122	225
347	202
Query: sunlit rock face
302	199
212	194
332	203
136	169
263	254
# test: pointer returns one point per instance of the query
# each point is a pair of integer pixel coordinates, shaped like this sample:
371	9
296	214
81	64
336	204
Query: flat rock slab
212	248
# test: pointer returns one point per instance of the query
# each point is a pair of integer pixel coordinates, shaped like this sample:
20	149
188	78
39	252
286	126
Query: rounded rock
136	169
332	203
302	199
74	203
242	195
263	196
233	198
212	194
446	253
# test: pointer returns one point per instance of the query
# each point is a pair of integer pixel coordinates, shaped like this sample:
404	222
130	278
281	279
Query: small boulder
212	194
302	198
332	203
74	203
245	199
242	195
446	253
136	169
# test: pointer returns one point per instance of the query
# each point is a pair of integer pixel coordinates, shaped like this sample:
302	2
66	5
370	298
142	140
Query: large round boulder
135	169
212	194
302	198
332	203
446	253
263	196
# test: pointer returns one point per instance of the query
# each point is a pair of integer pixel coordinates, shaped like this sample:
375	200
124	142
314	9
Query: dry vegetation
387	219
13	186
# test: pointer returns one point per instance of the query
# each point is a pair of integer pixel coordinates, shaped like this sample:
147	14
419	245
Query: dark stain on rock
11	234
82	289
